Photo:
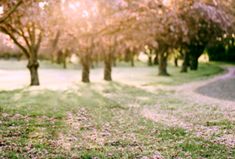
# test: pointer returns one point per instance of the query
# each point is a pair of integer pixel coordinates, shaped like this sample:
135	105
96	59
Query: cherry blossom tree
206	21
25	28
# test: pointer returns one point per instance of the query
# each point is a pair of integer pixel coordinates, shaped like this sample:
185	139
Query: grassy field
206	70
105	120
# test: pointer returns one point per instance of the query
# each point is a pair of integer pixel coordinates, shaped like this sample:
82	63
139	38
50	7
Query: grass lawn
104	120
205	71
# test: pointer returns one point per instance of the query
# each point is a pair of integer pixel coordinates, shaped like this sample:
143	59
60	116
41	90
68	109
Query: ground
139	115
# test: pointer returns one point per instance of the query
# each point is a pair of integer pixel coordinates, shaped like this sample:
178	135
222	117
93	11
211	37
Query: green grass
104	120
225	124
109	125
205	71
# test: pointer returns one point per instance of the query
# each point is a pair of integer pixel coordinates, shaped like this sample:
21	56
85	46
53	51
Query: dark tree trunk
64	56
60	57
176	62
194	56
33	66
194	63
108	67
150	61
185	63
85	61
156	61
64	63
195	53
163	64
132	59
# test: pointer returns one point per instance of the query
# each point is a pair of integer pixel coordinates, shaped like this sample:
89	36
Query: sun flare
1	10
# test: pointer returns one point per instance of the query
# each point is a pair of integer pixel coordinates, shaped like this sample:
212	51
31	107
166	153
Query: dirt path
200	110
190	91
223	88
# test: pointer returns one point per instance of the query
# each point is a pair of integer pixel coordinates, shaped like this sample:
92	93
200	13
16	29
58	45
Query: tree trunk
185	63
150	62
163	64
64	56
33	66
59	57
64	63
156	59
195	53
132	59
194	63
85	61
176	62
108	67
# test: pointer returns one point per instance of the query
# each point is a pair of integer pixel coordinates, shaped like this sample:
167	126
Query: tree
108	45
206	22
25	28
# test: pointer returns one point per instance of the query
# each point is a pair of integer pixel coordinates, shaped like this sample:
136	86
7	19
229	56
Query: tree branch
25	38
5	17
15	41
38	44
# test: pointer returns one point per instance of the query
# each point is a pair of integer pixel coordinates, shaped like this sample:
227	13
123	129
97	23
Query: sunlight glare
1	10
42	4
74	6
166	2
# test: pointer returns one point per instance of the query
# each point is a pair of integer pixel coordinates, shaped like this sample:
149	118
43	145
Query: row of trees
109	29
